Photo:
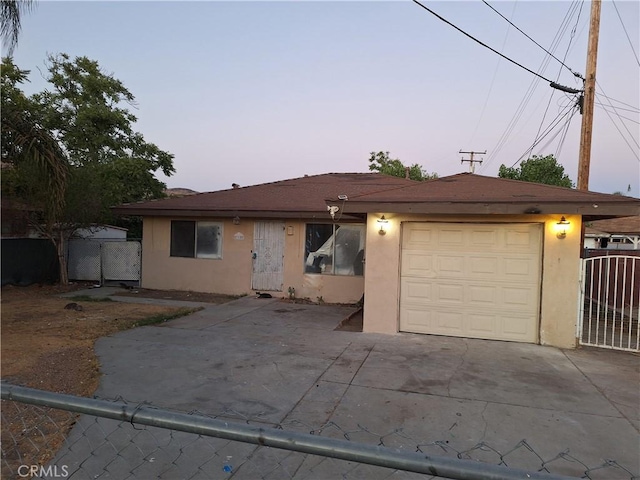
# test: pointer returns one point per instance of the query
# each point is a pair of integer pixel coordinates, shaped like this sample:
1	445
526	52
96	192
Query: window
196	239
334	249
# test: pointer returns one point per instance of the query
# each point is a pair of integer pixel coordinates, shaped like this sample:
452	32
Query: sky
254	92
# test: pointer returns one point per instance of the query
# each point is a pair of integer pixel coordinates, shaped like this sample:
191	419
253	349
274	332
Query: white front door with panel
268	256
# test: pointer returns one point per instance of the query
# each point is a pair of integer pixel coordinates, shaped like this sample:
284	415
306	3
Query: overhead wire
611	99
533	85
634	110
634	151
564	135
622	117
479	42
571	36
626	33
576	74
493	79
553	124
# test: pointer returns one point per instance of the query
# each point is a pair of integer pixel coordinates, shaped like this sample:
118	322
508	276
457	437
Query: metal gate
609	302
104	260
121	261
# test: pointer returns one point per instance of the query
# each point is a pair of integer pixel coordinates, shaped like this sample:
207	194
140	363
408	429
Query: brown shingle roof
623	225
372	192
476	194
295	197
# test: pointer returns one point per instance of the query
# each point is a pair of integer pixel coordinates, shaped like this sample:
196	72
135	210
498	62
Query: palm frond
11	15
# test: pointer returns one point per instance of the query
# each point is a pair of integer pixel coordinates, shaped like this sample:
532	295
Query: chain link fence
44	436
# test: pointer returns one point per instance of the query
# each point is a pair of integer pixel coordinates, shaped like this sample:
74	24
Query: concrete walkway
272	362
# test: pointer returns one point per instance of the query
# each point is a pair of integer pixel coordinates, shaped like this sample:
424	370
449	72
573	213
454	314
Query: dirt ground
47	346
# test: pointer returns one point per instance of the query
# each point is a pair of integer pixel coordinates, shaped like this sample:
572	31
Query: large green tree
84	114
381	162
538	169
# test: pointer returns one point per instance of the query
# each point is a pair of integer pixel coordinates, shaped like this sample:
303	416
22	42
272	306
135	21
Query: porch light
382	222
561	228
236	220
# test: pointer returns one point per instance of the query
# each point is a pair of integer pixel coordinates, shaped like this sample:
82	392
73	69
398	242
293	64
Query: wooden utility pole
471	160
584	160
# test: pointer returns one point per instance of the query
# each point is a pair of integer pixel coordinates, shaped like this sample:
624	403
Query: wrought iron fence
44	436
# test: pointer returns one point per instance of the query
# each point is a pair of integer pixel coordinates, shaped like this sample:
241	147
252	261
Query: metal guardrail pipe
306	443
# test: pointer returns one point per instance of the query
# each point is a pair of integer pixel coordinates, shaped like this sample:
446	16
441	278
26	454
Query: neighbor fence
116	439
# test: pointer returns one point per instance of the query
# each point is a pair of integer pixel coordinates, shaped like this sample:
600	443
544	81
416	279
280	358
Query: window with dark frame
334	249
191	239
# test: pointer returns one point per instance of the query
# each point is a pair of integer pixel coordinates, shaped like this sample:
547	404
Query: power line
621	117
626	33
479	42
530	91
562	29
554	123
611	99
623	124
576	74
493	79
633	110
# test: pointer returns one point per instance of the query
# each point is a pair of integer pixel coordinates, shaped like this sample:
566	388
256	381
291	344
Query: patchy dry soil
46	346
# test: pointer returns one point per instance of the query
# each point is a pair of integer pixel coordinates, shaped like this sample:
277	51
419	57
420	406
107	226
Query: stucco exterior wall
232	273
560	273
229	275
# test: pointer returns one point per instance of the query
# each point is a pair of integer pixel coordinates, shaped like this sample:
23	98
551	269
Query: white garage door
471	280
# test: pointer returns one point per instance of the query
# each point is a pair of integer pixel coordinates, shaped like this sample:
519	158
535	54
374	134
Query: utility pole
584	160
471	160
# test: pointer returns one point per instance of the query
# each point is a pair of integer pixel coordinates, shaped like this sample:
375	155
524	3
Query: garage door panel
449	237
483	296
420	265
448	265
418	238
482	325
488	288
416	292
448	294
515	298
486	237
525	267
483	265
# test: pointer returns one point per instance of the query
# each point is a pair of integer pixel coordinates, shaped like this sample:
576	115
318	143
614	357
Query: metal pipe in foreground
445	467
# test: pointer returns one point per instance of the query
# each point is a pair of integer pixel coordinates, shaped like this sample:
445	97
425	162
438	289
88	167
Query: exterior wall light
561	228
236	220
383	222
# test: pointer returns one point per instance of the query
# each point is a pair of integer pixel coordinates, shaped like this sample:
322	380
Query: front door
268	256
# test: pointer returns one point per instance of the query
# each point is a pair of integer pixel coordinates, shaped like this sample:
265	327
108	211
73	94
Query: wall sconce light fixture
236	220
561	228
383	222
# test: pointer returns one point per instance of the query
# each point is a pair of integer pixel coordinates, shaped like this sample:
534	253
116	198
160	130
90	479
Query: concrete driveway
267	361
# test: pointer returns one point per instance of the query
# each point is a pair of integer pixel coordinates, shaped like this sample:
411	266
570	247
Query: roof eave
199	213
601	210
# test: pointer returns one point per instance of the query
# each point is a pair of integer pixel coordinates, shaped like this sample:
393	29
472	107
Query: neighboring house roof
294	198
467	193
179	192
615	226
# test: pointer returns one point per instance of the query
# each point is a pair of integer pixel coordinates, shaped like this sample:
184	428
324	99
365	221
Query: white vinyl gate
609	302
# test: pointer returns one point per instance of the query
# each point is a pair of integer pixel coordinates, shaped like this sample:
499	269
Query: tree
27	144
107	162
382	163
11	18
538	169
